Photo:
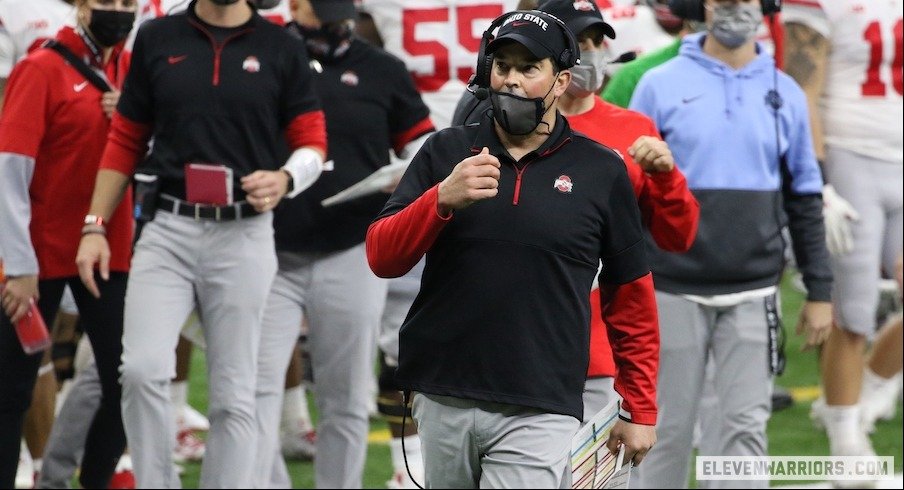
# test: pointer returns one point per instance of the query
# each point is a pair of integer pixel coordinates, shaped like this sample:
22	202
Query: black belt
229	212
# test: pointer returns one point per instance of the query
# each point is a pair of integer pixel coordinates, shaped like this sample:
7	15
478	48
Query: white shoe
299	446
193	419
125	463
818	413
25	473
400	479
856	445
189	447
878	400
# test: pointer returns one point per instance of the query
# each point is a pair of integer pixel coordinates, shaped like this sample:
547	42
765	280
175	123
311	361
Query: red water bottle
31	329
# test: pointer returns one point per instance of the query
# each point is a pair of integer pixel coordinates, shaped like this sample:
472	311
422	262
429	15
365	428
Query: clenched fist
652	154
474	179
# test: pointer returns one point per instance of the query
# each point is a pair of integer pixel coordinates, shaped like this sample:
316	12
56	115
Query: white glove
305	166
838	214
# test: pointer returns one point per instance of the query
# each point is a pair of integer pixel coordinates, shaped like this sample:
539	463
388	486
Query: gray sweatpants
735	339
63	453
225	269
342	301
477	444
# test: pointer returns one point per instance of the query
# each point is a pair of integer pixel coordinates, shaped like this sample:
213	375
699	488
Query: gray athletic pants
598	392
873	188
225	269
735	339
478	444
63	453
342	301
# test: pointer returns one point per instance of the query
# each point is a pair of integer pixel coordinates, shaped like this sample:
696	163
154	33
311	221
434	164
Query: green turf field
790	431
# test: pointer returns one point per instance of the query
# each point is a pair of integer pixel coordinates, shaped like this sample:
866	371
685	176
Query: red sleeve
669	210
632	322
29	105
400	140
396	243
308	129
601	364
127	142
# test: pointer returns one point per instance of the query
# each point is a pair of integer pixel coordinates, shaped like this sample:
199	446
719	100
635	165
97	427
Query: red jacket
54	116
667	207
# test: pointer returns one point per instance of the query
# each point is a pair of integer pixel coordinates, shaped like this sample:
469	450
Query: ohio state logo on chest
563	184
251	64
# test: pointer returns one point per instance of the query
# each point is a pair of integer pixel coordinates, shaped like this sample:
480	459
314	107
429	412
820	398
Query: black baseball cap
329	11
540	33
577	15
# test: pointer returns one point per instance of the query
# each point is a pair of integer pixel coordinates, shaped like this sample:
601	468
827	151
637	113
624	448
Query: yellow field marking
805	393
380	436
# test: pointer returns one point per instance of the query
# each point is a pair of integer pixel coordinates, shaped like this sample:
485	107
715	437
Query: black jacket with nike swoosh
216	100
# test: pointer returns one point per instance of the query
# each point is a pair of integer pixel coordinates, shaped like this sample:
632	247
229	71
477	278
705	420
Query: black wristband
290	186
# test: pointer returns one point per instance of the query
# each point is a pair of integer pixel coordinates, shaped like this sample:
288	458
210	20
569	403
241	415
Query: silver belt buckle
217	213
197	212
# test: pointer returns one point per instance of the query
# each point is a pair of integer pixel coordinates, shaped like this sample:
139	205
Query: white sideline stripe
898	482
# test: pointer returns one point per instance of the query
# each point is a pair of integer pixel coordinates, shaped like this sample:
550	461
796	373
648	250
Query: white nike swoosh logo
78	87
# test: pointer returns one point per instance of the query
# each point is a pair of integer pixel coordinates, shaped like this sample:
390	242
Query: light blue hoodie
733	149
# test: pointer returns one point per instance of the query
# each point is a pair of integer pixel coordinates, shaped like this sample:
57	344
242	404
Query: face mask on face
110	27
518	115
265	4
329	42
735	24
587	78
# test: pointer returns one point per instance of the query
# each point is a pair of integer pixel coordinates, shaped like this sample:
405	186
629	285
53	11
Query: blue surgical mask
735	24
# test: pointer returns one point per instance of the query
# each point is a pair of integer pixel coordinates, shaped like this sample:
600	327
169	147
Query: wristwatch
93	219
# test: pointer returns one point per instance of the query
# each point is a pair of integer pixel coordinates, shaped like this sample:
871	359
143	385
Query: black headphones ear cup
569	57
693	9
484	60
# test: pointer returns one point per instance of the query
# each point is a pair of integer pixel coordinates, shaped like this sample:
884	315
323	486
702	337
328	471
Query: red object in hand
31	329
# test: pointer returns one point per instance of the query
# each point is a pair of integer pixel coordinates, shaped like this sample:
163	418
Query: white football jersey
861	104
26	23
438	40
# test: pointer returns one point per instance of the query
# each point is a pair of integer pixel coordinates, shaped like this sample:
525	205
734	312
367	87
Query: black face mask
518	115
329	42
264	4
110	27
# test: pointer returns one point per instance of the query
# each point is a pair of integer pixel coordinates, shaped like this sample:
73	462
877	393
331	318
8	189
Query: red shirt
668	209
53	115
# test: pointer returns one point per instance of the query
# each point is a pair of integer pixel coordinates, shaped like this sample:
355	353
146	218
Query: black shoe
781	398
